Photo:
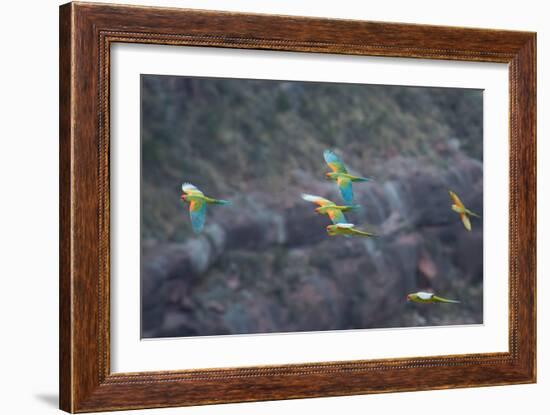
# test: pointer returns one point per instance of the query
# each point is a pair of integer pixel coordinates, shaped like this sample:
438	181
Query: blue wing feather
334	162
346	190
337	216
331	157
197	211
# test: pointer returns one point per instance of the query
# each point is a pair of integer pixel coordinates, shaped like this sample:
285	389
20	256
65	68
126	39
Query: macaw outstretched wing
424	295
336	216
321	201
334	162
466	221
345	190
344	225
456	200
197	212
190	189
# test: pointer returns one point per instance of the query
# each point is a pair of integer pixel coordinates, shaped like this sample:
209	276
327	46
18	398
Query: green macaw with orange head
328	207
197	205
464	213
428	298
348	230
340	175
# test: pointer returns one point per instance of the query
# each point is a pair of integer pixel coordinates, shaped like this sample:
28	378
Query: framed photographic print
260	207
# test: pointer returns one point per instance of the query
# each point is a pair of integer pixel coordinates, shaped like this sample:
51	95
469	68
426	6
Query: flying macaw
424	297
346	229
197	205
328	207
340	175
459	208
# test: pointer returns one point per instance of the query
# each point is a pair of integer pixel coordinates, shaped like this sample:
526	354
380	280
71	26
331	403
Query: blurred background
265	263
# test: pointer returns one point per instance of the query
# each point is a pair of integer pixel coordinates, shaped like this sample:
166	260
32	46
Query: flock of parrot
340	226
344	180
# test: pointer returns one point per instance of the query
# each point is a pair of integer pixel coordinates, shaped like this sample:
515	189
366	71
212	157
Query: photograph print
273	206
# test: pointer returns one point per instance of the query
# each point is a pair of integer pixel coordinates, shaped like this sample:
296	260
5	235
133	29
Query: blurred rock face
257	270
265	263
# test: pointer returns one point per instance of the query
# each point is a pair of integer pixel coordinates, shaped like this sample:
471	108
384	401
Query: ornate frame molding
86	34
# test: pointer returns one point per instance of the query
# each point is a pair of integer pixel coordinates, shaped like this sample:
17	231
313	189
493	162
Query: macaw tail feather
475	215
351	207
219	202
371	235
365	233
361	179
445	300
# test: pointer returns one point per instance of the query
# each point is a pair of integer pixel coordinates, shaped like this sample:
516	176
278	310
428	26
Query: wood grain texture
86	33
65	247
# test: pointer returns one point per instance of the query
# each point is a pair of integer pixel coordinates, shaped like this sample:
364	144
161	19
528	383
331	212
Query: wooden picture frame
86	33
